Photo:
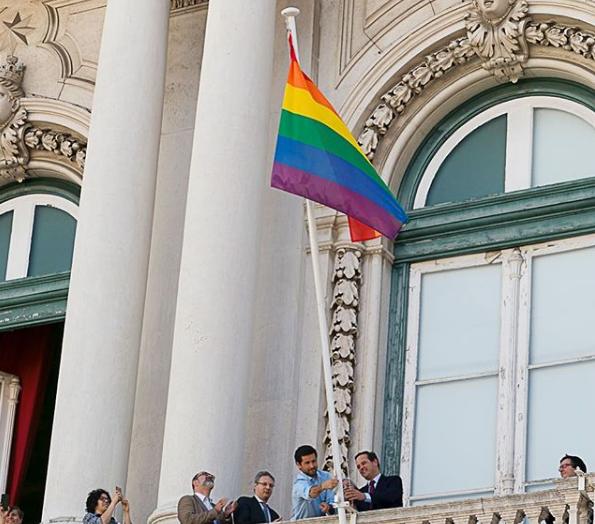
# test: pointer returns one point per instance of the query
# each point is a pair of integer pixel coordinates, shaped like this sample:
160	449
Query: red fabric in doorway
26	353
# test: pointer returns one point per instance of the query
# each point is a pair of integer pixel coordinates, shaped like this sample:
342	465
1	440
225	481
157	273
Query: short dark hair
93	499
19	511
370	454
261	474
576	462
303	451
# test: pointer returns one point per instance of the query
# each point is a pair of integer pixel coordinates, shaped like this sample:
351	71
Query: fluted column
211	358
92	423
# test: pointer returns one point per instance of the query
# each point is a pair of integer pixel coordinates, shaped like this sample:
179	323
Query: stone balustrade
569	502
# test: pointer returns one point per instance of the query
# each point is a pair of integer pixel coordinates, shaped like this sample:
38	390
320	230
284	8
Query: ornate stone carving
496	31
61	144
179	4
411	85
18	137
345	306
13	153
499	32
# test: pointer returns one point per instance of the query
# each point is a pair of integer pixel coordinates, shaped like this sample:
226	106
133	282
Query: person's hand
220	505
352	494
125	506
230	508
3	513
117	497
329	484
325	507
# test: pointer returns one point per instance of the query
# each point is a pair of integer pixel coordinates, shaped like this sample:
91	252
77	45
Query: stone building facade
177	331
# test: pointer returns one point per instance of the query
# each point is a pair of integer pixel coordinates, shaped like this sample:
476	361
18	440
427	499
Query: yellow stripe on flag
300	102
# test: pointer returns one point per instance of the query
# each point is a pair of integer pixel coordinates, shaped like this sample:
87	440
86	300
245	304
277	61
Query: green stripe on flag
316	134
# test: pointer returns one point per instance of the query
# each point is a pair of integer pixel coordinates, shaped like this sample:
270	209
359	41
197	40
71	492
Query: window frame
532	216
513	385
23	218
519	139
40	299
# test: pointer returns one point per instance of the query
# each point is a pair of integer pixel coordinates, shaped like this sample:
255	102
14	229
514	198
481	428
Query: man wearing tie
199	508
381	492
255	510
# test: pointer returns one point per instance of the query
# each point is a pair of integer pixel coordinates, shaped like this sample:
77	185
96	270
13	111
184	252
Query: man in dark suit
381	492
255	510
199	508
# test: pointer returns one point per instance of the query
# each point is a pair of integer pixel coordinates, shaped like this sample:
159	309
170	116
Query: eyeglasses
563	466
104	497
266	484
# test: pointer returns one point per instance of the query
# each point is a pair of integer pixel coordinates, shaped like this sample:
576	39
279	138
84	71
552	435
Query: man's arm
319	488
188	515
391	494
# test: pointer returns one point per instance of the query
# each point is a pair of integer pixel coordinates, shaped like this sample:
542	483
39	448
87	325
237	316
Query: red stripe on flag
360	232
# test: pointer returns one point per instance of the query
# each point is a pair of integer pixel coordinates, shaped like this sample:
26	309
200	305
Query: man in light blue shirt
312	493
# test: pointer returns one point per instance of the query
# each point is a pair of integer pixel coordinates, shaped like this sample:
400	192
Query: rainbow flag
318	158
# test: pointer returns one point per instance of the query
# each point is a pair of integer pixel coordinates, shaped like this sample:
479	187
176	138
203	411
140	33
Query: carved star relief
14	32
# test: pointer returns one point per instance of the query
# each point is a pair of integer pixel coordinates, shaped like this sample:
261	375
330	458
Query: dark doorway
33	354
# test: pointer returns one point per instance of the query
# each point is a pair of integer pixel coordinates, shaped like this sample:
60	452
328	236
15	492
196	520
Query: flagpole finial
290	12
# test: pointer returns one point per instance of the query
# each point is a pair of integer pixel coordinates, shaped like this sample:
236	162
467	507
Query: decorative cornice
502	47
34	300
181	4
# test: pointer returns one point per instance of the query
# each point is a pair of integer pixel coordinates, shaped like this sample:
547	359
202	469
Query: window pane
559	420
562	306
459	330
562	147
52	242
455	436
5	229
475	167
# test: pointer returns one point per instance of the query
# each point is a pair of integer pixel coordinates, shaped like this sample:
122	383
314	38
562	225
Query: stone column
229	173
92	423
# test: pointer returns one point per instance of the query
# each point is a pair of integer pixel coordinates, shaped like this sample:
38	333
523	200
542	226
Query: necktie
371	490
267	513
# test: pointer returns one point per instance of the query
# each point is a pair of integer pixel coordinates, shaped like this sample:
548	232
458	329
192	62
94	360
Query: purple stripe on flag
333	195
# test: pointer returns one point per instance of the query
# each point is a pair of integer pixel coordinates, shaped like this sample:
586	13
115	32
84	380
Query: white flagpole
290	14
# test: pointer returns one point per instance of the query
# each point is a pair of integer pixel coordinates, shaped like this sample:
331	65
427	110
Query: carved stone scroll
343	332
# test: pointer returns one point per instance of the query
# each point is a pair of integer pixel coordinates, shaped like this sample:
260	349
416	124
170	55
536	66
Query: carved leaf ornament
18	137
345	306
498	33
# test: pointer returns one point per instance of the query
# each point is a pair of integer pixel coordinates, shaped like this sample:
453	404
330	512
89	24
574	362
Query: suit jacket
388	493
249	511
191	510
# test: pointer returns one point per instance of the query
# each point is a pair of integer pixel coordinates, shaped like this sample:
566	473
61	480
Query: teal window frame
502	221
42	299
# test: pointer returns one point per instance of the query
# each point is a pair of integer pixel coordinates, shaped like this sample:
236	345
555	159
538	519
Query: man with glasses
199	508
255	510
569	465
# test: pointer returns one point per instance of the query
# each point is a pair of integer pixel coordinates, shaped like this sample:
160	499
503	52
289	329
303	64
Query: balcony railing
569	502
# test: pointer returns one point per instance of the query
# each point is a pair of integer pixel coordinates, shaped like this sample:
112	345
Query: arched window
491	349
518	144
36	235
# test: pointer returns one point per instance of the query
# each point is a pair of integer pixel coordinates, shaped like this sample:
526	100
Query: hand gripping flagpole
290	14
